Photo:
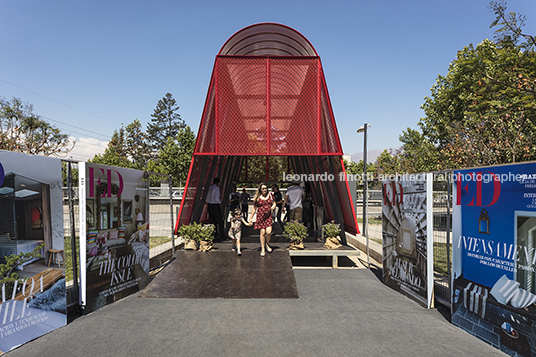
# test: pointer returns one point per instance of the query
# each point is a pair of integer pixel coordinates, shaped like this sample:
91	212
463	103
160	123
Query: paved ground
340	312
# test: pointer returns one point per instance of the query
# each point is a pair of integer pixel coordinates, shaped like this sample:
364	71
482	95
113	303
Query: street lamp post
363	129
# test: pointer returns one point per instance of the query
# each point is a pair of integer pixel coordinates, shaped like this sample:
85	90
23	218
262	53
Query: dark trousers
278	210
245	209
215	218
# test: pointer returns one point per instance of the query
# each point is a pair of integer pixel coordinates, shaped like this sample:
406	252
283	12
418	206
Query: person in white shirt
294	196
214	209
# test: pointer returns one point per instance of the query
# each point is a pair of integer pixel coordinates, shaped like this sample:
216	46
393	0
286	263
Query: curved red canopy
268	96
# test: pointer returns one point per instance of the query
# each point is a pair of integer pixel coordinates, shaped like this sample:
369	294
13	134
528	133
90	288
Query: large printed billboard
31	220
493	255
114	244
406	231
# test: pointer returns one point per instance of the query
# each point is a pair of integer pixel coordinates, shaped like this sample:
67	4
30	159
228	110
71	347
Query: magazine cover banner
406	267
493	255
115	247
31	224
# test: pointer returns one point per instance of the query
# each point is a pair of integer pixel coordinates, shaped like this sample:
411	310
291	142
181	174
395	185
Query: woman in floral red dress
263	205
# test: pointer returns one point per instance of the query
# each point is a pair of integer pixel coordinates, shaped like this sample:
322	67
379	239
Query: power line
57	101
76	127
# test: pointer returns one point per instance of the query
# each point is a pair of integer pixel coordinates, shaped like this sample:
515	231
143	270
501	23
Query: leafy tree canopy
22	130
418	155
388	164
175	156
116	153
165	123
165	149
483	112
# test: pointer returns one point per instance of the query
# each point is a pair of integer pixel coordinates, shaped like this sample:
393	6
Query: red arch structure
268	97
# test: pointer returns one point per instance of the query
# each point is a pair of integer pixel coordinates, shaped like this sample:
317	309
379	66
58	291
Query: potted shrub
331	233
206	237
296	232
190	234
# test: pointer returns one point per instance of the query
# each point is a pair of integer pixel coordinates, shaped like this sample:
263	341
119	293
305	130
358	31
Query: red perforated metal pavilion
268	97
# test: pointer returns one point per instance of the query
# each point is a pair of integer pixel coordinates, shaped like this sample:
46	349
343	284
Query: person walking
263	204
214	209
235	232
278	198
234	200
245	202
294	196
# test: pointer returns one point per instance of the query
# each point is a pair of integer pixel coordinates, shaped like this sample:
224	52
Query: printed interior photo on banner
404	237
117	233
31	222
493	255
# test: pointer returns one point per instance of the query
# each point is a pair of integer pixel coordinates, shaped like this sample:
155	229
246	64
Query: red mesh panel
293	106
241	105
190	192
330	137
206	138
346	202
241	119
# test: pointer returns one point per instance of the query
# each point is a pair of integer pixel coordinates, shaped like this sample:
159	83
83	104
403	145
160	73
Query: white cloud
86	148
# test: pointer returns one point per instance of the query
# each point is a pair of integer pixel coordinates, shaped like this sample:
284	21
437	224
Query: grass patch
156	241
370	220
379	241
69	256
440	258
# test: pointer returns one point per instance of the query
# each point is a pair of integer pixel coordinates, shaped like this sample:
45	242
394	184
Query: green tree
357	169
353	168
127	148
137	145
511	27
165	123
254	169
388	164
64	174
483	112
116	153
175	156
23	130
417	155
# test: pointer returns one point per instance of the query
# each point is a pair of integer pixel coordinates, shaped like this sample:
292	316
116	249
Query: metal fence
374	213
442	210
163	202
71	211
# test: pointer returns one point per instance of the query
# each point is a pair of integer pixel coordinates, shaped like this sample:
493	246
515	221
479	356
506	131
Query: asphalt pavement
340	312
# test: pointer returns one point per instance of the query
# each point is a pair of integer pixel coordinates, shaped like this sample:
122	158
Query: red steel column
216	103
268	109
319	109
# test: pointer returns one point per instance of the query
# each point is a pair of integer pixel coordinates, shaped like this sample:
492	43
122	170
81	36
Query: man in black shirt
244	196
278	198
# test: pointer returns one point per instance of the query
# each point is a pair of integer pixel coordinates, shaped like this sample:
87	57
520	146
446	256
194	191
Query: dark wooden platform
220	273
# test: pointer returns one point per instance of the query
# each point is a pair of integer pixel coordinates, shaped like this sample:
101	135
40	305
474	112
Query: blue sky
89	66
